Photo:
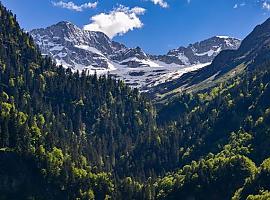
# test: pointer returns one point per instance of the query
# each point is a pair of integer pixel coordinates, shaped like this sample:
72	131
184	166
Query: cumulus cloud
266	5
117	22
72	6
162	3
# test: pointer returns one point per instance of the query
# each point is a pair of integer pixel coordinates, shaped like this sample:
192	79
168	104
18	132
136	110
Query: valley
85	118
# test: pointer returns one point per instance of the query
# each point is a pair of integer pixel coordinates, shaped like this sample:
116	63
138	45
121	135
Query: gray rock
72	47
199	52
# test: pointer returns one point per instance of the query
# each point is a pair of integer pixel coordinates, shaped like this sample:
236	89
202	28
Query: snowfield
94	52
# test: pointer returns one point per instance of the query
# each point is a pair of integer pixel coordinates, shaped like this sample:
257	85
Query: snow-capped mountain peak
78	49
200	52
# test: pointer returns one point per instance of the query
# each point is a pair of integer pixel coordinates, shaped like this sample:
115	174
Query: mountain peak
225	37
75	48
200	52
266	22
63	28
65	25
258	37
253	51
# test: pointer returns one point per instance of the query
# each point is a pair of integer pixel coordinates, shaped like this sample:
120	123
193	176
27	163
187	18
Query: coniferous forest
66	135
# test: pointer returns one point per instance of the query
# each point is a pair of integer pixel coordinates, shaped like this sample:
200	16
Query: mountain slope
253	51
199	52
227	130
66	129
85	48
67	135
80	50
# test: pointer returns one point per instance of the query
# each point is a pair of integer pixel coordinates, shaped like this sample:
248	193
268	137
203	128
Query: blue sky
154	25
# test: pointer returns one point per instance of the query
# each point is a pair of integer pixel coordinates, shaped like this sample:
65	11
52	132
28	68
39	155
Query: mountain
74	48
254	50
78	49
67	135
61	133
199	52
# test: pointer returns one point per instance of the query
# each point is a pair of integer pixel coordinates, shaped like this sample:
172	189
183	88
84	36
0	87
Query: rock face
78	49
72	47
200	52
253	51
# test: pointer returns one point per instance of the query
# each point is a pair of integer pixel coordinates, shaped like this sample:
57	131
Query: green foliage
73	127
55	160
254	185
264	195
239	143
22	118
5	109
206	177
89	137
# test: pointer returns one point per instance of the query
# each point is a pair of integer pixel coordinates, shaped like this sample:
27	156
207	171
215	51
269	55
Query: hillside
253	51
65	135
73	127
227	131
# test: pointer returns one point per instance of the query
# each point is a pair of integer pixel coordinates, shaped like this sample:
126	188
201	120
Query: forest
66	135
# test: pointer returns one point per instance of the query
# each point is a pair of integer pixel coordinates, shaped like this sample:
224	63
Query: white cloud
239	5
243	4
117	22
162	3
266	5
72	6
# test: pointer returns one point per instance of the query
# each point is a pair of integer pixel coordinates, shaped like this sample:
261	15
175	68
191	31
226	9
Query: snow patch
88	48
222	36
56	48
209	53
